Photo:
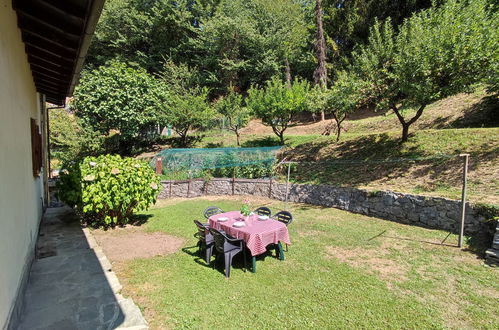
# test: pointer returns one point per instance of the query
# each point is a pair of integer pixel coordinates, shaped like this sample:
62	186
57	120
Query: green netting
177	160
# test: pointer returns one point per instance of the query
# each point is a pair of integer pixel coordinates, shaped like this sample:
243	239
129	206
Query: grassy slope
356	272
463	123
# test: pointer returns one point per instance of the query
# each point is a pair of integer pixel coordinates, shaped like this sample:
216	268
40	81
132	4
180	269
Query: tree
144	31
184	104
232	108
276	103
438	52
69	140
347	23
117	97
344	97
247	42
320	73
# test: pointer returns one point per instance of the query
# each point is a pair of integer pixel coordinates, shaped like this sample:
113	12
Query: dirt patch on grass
128	243
374	261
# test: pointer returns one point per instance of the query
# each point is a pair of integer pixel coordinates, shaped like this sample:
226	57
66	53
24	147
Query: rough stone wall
431	212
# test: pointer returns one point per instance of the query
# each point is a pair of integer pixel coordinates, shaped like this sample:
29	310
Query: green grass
342	271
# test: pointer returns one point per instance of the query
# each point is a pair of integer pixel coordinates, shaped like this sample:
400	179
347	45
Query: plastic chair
228	247
212	210
284	217
263	211
205	240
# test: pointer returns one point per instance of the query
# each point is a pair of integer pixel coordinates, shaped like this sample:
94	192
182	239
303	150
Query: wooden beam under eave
51	73
50	47
60	26
49	65
49	76
48	55
45	32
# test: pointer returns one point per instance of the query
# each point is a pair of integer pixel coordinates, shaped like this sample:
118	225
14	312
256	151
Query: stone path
71	284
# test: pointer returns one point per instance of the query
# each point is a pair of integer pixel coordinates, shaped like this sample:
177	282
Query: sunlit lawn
342	271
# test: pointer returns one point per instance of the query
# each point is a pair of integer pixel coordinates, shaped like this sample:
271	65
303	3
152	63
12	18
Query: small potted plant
245	210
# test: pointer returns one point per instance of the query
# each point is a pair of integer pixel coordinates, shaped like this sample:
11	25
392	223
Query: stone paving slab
71	283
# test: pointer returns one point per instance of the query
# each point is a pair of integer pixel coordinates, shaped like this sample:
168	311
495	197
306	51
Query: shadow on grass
353	162
482	114
268	141
237	263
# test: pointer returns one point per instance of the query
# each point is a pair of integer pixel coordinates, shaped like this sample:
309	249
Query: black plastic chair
228	247
284	217
212	210
205	240
263	211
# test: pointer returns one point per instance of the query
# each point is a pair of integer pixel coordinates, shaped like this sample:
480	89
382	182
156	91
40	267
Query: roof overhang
57	35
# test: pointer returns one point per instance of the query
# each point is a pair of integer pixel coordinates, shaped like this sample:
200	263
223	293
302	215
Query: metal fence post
287	185
463	198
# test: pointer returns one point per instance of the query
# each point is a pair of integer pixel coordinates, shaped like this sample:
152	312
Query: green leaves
436	53
118	97
277	103
109	189
232	108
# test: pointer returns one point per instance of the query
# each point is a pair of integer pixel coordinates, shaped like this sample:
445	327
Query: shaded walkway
71	285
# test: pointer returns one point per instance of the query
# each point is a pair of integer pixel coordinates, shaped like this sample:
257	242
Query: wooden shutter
36	148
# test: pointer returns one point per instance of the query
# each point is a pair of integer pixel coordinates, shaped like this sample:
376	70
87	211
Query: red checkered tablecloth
256	233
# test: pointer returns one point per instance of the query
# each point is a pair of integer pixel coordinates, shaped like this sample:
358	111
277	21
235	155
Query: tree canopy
118	97
277	103
436	53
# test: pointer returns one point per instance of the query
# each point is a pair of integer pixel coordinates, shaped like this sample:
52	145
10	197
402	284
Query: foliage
344	97
277	103
248	42
121	98
235	112
109	189
69	140
184	104
144	31
347	23
245	208
436	53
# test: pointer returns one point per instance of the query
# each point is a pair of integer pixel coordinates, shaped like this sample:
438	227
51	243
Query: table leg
253	264
281	251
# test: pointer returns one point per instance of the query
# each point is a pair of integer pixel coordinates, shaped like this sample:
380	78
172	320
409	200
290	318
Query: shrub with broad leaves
109	189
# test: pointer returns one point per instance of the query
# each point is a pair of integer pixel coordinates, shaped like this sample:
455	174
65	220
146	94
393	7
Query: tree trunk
338	124
405	133
281	137
320	73
237	138
288	72
407	124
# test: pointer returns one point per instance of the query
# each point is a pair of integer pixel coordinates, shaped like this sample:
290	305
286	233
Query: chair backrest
263	211
201	230
284	216
219	239
212	210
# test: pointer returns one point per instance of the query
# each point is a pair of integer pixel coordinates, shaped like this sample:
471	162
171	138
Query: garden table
257	234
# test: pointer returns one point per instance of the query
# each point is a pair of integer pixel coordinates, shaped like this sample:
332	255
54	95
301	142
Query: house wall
20	193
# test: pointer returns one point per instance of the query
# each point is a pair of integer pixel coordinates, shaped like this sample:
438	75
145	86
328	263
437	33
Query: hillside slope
364	157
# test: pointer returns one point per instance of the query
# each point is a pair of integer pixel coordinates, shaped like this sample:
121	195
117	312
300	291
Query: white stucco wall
20	192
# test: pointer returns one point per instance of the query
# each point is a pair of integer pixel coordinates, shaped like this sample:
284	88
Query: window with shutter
36	148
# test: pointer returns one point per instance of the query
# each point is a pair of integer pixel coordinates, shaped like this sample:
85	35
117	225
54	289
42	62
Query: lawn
342	271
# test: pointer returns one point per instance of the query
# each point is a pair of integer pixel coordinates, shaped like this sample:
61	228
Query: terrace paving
71	283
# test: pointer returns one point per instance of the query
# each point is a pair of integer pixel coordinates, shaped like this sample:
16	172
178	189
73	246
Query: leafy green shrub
109	189
70	140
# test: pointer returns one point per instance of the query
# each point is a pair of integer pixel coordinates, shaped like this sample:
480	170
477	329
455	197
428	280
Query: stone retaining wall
432	212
